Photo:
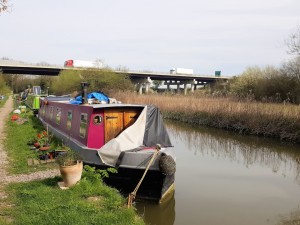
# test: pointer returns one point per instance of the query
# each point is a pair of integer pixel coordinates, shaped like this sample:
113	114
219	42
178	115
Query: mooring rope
132	195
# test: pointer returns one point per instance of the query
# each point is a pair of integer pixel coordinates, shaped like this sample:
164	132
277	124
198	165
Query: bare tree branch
293	42
4	5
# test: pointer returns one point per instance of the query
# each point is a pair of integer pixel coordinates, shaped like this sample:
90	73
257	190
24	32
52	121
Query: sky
152	35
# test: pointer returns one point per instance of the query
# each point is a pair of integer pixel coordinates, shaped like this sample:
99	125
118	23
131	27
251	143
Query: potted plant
60	149
32	140
43	140
70	166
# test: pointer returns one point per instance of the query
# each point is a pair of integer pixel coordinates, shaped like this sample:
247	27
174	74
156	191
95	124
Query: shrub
99	80
67	82
269	84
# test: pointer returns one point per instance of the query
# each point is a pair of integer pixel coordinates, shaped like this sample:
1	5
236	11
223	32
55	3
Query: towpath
5	178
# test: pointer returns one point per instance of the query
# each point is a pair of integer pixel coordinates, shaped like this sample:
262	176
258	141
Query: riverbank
30	194
280	121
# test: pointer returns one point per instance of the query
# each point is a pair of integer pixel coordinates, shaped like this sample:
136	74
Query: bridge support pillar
192	88
185	89
186	84
168	83
193	85
168	87
144	82
178	88
140	88
147	85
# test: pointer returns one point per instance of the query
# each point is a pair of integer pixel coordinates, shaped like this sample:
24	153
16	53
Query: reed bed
248	117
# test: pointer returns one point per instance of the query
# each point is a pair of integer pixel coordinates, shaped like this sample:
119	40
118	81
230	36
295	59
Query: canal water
229	179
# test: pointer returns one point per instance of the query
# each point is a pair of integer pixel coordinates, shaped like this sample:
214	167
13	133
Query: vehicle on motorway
181	71
83	64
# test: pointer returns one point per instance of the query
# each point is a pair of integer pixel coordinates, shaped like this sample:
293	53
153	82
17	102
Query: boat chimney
84	86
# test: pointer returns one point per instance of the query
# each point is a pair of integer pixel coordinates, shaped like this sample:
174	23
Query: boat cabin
91	125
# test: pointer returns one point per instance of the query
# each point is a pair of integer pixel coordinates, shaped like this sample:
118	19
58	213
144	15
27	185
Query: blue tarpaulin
96	95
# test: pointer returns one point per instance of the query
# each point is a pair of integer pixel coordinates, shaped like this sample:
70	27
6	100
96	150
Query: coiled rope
132	195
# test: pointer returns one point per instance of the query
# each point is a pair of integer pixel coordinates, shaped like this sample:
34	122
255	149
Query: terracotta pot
71	174
36	144
44	148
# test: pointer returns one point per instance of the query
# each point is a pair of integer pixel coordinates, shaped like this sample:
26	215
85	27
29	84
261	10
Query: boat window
51	112
58	115
44	110
97	119
69	120
83	125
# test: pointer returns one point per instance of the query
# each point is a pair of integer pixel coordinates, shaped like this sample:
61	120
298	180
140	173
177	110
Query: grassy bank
42	202
17	135
266	119
89	202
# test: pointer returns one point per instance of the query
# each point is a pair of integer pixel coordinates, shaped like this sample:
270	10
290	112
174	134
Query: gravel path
4	177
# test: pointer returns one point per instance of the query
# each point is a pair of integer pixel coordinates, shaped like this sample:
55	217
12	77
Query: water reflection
292	218
248	150
158	214
224	178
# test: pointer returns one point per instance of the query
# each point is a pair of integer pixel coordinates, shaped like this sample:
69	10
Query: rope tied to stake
132	195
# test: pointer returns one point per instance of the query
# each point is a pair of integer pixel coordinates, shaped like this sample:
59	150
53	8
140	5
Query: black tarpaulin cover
148	130
155	131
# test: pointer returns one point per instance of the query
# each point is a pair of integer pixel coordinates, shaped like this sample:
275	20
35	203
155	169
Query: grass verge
17	135
89	202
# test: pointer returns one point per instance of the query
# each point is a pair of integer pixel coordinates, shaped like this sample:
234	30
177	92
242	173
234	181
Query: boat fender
167	164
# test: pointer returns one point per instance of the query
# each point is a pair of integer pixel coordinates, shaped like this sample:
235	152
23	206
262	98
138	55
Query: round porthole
97	119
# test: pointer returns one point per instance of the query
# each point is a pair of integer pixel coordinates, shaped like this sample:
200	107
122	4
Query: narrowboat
107	133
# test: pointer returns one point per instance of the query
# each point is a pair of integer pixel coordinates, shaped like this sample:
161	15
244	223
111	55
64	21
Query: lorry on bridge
83	64
181	71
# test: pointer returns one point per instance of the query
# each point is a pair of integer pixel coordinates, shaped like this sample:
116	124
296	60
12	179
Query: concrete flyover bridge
142	80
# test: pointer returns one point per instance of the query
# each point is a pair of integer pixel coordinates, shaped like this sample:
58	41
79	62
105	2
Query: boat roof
66	100
114	105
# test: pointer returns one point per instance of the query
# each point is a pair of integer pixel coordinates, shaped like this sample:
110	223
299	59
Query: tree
3	86
293	42
67	82
3	6
99	63
292	69
103	80
246	84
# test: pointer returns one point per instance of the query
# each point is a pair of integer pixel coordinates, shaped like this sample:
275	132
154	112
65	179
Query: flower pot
36	144
71	174
52	154
44	148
